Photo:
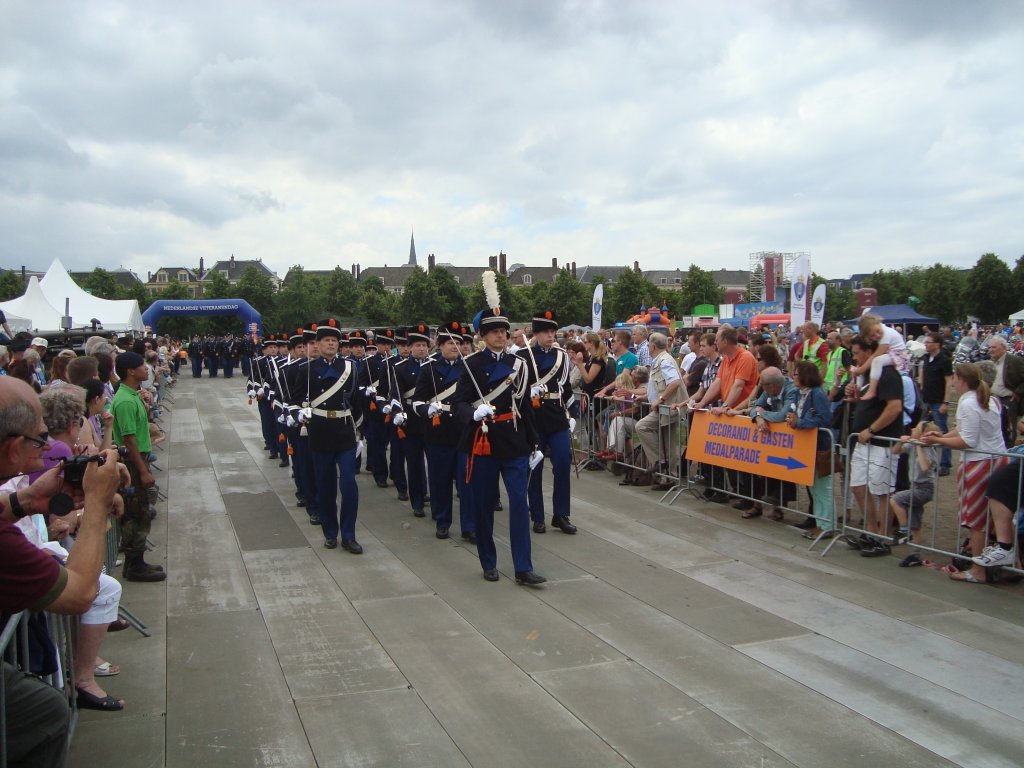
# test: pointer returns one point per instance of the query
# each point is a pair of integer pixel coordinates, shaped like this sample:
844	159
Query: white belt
327	414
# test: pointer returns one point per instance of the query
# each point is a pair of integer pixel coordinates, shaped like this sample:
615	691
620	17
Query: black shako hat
545	321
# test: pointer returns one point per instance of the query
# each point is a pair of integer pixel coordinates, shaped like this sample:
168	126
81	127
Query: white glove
399	419
360	444
386	409
370	391
289	421
535	459
572	424
250	392
305	414
433	409
483	411
538	390
280	419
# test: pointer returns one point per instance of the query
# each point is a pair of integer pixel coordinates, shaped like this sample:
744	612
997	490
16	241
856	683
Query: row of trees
989	292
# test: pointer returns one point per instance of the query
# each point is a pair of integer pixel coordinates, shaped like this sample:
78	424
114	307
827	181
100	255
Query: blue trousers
467	515
942	422
280	436
214	364
247	366
305	477
416	470
197	367
228	364
442	471
268	425
337	472
396	462
484	482
376	449
560	452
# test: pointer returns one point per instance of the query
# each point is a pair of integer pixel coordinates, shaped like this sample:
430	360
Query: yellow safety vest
835	358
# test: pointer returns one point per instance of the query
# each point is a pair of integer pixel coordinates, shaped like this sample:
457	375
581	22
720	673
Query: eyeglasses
39	442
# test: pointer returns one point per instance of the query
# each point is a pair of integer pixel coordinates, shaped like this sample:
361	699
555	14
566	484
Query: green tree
339	294
377	304
137	291
1018	277
418	304
515	302
569	299
298	303
100	283
988	293
942	293
218	287
840	303
256	287
179	326
622	299
700	288
11	285
448	295
895	286
538	297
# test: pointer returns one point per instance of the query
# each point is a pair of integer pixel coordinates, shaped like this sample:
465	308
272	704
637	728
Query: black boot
137	569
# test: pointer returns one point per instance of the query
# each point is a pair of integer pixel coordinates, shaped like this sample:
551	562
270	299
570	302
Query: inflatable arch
201	308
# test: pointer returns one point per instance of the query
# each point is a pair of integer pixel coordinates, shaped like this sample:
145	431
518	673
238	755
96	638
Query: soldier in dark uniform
406	374
262	378
195	355
229	354
492	404
432	402
357	342
551	398
297	376
333	438
212	355
395	441
374	427
278	399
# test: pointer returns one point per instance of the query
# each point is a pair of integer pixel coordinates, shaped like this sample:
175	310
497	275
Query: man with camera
131	431
30	579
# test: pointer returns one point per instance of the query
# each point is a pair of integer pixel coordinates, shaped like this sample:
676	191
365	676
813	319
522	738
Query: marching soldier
260	388
385	396
297	376
212	355
332	416
432	402
374	427
550	397
195	354
492	404
406	375
229	355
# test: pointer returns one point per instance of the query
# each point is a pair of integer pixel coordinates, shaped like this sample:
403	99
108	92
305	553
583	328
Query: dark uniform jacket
332	426
437	383
551	370
502	378
405	377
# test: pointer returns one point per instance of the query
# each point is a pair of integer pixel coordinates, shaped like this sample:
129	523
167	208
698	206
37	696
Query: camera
74	467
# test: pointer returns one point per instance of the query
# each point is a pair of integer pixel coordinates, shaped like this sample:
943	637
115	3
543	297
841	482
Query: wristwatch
871	431
16	508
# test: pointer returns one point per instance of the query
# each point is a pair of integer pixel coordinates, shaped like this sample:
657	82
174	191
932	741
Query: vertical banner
818	306
598	306
798	291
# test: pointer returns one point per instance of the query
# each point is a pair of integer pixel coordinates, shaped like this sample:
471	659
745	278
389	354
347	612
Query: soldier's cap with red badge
467	333
384	336
418	332
490	318
328	329
357	337
309	334
451	330
401	335
545	321
295	339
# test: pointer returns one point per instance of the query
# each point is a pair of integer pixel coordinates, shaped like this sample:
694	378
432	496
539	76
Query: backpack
917	414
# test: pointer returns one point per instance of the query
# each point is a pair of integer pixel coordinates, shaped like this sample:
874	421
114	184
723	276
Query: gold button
330	414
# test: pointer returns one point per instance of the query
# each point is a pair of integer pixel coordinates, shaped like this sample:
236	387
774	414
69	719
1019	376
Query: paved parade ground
666	636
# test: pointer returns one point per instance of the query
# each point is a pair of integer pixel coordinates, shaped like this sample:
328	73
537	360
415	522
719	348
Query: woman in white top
978	433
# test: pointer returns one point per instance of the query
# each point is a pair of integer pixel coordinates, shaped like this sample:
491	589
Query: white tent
1017	315
113	315
34	306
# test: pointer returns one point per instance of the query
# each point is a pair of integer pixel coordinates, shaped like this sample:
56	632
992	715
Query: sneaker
875	549
943	471
903	537
992	556
859	542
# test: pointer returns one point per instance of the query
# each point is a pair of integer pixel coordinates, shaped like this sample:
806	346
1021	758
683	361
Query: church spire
412	250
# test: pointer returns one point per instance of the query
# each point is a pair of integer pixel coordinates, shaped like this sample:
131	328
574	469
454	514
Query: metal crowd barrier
940	529
14	650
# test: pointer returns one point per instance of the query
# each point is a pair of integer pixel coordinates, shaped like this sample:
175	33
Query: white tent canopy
35	308
58	287
1017	315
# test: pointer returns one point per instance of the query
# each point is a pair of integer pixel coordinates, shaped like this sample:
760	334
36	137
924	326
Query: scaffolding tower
781	269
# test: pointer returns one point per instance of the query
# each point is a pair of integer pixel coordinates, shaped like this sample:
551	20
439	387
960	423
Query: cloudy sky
871	133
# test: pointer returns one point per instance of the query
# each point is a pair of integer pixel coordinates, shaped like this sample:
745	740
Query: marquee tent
1017	316
113	315
899	313
35	307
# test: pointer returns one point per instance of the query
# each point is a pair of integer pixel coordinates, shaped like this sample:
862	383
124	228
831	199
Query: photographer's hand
36	498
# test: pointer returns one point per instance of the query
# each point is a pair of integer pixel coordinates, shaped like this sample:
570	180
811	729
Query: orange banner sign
735	442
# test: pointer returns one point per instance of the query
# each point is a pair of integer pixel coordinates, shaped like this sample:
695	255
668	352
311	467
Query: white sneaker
992	556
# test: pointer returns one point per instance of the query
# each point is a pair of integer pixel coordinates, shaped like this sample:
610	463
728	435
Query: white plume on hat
490	281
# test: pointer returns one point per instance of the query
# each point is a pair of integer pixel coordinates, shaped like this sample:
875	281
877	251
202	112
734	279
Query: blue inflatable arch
202	308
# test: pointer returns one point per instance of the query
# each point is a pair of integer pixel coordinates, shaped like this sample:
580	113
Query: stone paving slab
261	522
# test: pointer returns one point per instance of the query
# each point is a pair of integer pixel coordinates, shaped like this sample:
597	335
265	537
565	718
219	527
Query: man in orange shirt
737	374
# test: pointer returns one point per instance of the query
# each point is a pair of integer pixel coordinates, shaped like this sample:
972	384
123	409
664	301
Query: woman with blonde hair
978	433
